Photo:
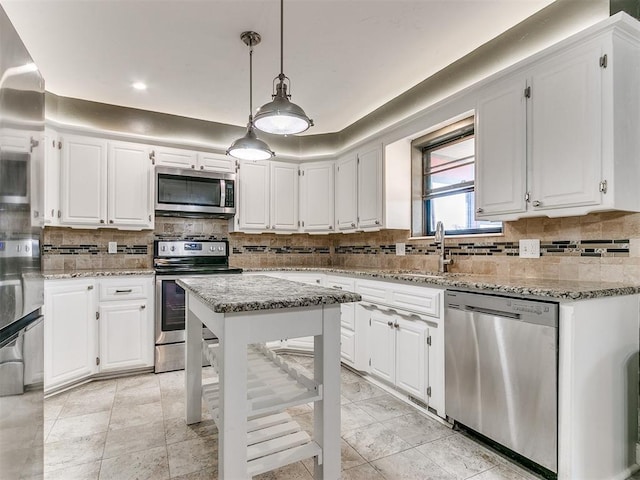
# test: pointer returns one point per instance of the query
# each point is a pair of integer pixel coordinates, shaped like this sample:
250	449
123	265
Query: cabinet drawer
372	291
416	299
122	290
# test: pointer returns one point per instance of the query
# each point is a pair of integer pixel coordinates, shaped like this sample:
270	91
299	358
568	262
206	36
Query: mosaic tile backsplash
604	246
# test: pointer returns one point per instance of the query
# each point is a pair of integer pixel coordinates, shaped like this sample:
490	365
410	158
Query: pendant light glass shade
281	116
250	147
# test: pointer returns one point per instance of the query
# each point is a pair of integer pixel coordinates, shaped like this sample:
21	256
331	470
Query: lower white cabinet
398	348
348	344
69	331
126	329
97	325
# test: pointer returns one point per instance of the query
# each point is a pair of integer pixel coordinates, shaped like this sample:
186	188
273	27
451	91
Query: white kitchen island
244	311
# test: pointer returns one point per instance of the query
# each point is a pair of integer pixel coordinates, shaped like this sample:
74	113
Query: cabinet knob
536	203
396	325
201	167
193	166
353	225
101	221
390	323
377	222
330	227
142	307
479	210
110	221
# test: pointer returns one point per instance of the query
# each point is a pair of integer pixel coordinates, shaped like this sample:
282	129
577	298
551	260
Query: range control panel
191	249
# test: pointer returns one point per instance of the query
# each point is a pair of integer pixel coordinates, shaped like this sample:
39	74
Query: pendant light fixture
250	147
281	116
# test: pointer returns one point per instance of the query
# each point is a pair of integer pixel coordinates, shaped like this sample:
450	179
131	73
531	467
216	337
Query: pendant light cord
281	37
251	82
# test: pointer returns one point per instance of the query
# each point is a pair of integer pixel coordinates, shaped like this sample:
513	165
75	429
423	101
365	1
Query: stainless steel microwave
14	178
182	192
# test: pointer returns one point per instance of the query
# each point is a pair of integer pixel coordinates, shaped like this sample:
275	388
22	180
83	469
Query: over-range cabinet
21	282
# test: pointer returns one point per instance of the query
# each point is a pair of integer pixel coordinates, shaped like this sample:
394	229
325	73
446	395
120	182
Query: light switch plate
529	248
400	249
113	247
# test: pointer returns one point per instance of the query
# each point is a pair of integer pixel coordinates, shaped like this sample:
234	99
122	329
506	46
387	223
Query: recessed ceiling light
139	86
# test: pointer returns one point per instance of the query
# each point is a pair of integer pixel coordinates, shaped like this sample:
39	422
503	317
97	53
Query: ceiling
345	58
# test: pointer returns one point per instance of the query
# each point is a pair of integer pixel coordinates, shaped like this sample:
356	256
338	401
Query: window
447	170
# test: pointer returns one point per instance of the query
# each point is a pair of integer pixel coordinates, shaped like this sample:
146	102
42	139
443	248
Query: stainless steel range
173	260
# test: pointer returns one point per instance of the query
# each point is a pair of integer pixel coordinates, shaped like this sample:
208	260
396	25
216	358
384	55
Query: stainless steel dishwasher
501	364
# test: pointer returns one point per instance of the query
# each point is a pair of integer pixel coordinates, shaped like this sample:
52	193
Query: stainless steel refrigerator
21	282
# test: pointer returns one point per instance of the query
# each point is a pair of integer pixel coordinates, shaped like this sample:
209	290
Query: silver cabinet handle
337	287
536	203
53	213
126	290
59	214
479	210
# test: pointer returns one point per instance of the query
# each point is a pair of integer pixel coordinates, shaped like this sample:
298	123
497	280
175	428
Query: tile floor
133	428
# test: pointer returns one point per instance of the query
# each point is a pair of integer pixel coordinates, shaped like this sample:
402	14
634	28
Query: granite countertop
529	287
99	272
238	293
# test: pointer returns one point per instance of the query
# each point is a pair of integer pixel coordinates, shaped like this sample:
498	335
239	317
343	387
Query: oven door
11	301
170	311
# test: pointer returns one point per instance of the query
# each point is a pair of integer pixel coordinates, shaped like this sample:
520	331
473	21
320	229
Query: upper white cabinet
559	137
52	211
359	190
317	197
268	196
105	184
181	158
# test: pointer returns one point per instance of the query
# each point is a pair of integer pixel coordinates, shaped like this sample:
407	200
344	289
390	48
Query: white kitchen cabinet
95	326
70	330
83	181
317	196
52	212
105	184
268	193
284	196
349	344
215	162
557	137
174	157
359	190
398	349
126	324
347	192
370	188
182	158
302	343
129	193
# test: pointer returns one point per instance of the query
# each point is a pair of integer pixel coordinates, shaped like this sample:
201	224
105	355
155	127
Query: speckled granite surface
61	274
529	287
242	293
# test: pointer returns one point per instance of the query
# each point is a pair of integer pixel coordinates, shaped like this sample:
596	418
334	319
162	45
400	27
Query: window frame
449	134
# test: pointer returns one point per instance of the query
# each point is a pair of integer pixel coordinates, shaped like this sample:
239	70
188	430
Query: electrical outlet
400	249
113	247
530	248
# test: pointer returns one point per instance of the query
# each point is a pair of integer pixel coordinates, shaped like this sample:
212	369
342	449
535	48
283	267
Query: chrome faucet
443	261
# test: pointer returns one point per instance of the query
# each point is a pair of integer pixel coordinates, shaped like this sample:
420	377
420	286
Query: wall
596	247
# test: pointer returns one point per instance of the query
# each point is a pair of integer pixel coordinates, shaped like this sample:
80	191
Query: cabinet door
84	181
70	332
348	346
129	186
411	358
214	162
253	184
52	212
175	157
284	196
566	129
317	196
346	192
501	150
382	345
370	188
126	339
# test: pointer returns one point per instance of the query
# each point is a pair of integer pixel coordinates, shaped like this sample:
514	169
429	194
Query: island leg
193	366
232	456
326	413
